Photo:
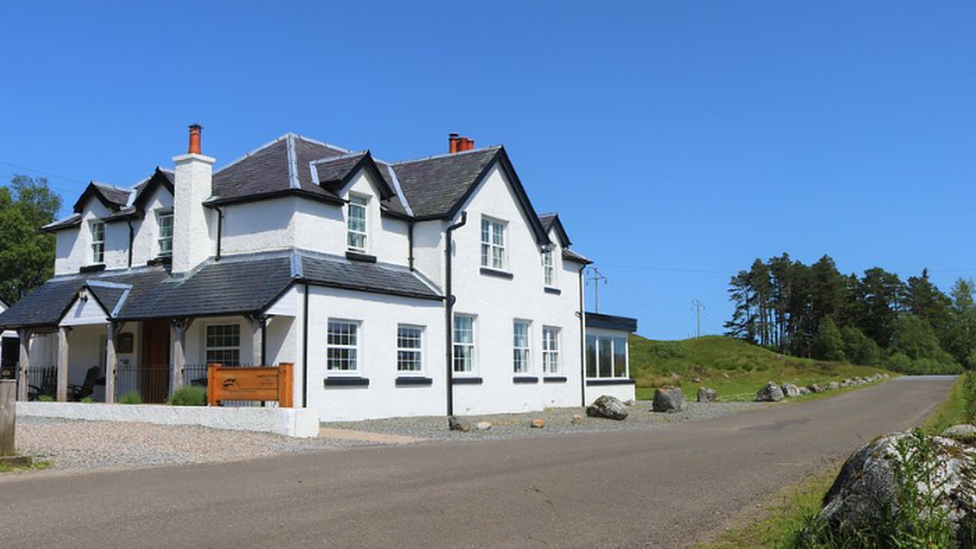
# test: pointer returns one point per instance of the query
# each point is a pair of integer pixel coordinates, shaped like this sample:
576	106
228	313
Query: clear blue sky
678	140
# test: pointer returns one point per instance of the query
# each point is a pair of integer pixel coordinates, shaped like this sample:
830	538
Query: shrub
859	348
828	343
667	350
969	395
87	400
45	398
188	396
132	397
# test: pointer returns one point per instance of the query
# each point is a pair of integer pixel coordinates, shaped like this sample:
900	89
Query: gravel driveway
88	445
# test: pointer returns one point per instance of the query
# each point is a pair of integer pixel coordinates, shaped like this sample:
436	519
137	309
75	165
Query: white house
421	287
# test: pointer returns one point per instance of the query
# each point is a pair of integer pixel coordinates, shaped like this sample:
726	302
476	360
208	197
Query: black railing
149	382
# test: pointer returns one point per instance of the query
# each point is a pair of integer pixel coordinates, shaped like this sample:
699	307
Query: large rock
868	490
815	388
668	399
458	424
833	386
770	393
609	407
965	433
707	394
790	390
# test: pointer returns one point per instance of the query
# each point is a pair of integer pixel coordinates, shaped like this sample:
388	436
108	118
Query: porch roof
246	284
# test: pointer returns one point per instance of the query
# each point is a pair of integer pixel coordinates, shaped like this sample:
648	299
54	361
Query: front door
154	378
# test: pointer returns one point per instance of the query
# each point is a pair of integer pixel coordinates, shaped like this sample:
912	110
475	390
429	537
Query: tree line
877	318
26	253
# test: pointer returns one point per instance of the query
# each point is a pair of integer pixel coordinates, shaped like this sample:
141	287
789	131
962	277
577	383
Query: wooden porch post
111	360
258	326
179	329
23	378
63	363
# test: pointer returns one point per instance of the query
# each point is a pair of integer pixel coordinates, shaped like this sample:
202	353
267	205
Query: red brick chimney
195	139
458	144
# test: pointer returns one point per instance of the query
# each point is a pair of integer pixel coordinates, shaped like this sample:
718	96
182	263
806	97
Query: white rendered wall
497	302
74	245
378	316
259	226
146	238
192	235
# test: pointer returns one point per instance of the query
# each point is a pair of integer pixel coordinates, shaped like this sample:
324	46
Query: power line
596	277
19	167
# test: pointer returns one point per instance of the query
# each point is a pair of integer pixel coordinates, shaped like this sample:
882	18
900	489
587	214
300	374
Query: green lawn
733	368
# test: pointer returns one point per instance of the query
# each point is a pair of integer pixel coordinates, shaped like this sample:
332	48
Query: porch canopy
245	285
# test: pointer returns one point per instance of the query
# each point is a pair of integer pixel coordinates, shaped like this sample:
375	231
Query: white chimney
194	183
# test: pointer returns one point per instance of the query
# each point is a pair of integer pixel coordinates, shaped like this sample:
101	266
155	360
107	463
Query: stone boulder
609	407
770	393
790	390
868	489
965	433
833	386
538	423
815	388
483	425
668	399
804	391
707	394
577	419
458	424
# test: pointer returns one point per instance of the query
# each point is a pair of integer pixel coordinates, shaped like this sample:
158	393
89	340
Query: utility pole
697	305
596	277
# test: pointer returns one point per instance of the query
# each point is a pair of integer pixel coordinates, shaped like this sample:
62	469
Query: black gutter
449	310
264	340
305	351
582	317
410	244
220	230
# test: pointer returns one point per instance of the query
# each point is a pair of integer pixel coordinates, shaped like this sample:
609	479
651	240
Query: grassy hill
734	368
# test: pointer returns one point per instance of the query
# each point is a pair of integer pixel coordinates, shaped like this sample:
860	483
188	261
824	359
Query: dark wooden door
154	378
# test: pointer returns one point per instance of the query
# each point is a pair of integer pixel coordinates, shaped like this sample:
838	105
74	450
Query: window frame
549	277
419	350
488	246
551	354
472	345
358	334
354	202
522	354
160	215
221	348
97	258
599	339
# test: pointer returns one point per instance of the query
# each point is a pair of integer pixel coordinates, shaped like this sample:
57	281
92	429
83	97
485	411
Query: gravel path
89	445
558	422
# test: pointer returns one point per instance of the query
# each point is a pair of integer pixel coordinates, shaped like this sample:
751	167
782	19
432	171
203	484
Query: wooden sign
261	383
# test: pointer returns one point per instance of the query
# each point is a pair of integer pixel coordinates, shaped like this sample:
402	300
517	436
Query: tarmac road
664	487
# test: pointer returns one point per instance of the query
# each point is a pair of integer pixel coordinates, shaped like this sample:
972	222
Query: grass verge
782	517
36	466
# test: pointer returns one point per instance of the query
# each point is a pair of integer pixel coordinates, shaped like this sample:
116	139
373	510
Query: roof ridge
321	143
399	190
337	158
292	162
447	155
250	153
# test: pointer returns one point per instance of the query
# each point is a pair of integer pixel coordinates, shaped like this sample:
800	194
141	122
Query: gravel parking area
90	445
558	422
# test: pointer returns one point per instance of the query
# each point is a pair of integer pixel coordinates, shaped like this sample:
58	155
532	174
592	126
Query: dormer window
165	220
98	242
356	223
492	244
548	267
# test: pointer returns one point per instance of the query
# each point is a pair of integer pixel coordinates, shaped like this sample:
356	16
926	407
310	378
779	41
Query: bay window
606	357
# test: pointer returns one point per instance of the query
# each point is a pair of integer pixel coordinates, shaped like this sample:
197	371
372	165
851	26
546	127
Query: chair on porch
78	392
48	387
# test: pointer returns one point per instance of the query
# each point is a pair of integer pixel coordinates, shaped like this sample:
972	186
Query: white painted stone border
291	422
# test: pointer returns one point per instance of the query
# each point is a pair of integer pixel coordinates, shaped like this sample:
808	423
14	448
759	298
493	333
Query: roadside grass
736	369
789	511
956	409
36	466
782	517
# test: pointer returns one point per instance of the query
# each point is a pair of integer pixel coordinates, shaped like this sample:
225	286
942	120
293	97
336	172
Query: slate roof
573	256
115	195
72	220
433	186
246	284
550	220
